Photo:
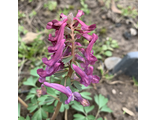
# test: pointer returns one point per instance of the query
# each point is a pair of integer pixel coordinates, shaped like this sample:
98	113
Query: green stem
97	114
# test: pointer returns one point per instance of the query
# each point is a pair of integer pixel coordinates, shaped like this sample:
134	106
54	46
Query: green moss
103	31
71	7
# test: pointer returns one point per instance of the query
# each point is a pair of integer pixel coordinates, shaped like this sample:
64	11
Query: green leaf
80	53
34	72
32	107
48	108
48	101
86	95
102	101
90	117
33	91
80	116
77	107
19	109
98	56
96	98
42	98
100	118
66	60
84	87
21	118
39	115
30	81
106	109
114	41
60	73
77	85
27	118
109	77
30	96
51	91
107	42
89	108
63	97
108	53
104	47
68	83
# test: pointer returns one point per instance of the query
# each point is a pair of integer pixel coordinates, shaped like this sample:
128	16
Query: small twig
94	85
20	69
65	117
22	102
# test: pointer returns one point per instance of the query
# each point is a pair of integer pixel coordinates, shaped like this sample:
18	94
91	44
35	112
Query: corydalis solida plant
64	45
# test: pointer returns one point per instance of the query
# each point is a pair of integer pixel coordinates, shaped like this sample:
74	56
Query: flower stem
97	114
56	110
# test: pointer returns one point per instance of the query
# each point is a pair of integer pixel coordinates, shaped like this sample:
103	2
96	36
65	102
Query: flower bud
70	18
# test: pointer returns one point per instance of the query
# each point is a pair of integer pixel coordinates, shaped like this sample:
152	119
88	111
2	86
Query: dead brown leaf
128	111
114	8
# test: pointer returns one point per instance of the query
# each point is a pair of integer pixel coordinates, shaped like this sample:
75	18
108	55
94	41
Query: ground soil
126	93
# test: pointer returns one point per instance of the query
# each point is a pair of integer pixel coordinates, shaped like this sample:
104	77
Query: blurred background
117	27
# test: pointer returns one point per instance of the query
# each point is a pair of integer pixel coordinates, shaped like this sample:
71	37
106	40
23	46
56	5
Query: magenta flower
80	13
67	91
57	55
50	25
84	26
88	37
41	91
47	72
85	80
91	59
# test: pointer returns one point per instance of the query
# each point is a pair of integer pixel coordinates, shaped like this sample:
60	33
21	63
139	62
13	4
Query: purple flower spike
85	80
91	59
80	13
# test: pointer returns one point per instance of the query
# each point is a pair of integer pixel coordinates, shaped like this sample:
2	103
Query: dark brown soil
126	93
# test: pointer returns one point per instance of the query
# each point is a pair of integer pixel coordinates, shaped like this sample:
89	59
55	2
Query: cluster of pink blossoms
62	47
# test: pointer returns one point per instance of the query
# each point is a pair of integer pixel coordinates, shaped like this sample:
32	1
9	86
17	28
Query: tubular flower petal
80	13
50	25
84	26
61	88
78	98
85	80
91	59
88	37
62	16
56	56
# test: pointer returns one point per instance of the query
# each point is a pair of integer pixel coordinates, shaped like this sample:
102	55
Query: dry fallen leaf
29	37
128	111
114	8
